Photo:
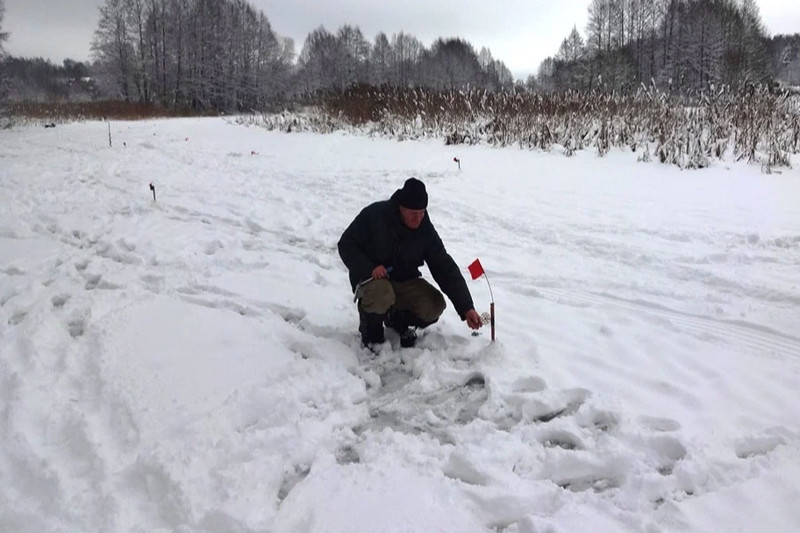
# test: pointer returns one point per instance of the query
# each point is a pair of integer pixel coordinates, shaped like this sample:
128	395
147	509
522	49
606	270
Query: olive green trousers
417	296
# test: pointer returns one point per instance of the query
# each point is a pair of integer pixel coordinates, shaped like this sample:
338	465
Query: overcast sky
521	33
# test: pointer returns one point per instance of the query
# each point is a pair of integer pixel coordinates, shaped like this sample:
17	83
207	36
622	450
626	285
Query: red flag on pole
476	269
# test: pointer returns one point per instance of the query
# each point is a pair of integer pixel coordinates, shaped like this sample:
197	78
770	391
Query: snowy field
194	364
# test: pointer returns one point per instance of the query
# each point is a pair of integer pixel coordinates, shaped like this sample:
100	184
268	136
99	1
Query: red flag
476	269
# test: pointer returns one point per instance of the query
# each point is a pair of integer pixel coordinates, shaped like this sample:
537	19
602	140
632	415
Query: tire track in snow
754	336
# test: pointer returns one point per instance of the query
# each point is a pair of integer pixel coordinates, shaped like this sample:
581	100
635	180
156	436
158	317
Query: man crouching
383	249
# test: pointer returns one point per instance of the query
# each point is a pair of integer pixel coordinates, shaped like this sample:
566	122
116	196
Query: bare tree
572	47
450	64
317	60
176	53
680	44
274	63
3	35
494	74
703	45
786	58
3	75
192	53
407	51
570	69
755	63
381	60
156	39
354	54
545	75
651	18
597	39
135	11
112	48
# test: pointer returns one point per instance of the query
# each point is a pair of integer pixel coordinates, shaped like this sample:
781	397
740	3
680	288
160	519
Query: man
383	249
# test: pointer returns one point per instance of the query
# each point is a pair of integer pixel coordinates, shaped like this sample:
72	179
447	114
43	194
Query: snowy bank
192	364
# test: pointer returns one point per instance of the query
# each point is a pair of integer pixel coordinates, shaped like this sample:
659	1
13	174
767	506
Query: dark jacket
378	236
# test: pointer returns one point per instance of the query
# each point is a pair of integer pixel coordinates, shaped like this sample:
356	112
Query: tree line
201	54
41	81
680	45
3	75
337	61
786	58
224	54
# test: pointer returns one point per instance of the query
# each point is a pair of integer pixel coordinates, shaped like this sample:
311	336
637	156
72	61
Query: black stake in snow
457	160
153	188
109	135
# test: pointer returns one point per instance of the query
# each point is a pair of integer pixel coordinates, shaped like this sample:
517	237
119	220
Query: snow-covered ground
193	364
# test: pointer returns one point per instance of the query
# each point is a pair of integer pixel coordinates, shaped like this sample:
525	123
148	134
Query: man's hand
473	319
379	272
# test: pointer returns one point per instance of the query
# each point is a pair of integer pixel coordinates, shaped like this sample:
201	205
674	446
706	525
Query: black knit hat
413	194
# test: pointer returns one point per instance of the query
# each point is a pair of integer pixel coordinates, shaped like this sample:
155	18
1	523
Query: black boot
371	328
401	320
408	338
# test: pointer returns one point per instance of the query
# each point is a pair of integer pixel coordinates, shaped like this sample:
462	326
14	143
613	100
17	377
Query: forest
682	82
679	45
225	55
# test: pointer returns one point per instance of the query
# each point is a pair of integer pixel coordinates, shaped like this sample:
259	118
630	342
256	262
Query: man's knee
377	296
432	307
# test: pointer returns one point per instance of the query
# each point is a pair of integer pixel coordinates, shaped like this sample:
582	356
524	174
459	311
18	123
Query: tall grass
690	131
64	112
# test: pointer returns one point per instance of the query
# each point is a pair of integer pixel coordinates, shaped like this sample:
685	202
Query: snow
193	364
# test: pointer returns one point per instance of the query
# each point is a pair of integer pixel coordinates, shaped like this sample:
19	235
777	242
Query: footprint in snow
76	327
563	439
395	405
566	404
212	247
756	446
659	424
96	281
529	384
347	455
465	470
59	300
16	318
290	480
597	419
13	271
666	451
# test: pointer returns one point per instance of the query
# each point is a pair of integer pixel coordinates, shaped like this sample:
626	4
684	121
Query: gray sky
521	33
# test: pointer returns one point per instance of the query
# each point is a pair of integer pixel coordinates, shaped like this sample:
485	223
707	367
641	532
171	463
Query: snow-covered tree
192	53
753	39
3	77
786	58
354	54
450	64
317	60
571	48
407	51
544	77
112	47
494	74
682	44
381	60
3	35
504	76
